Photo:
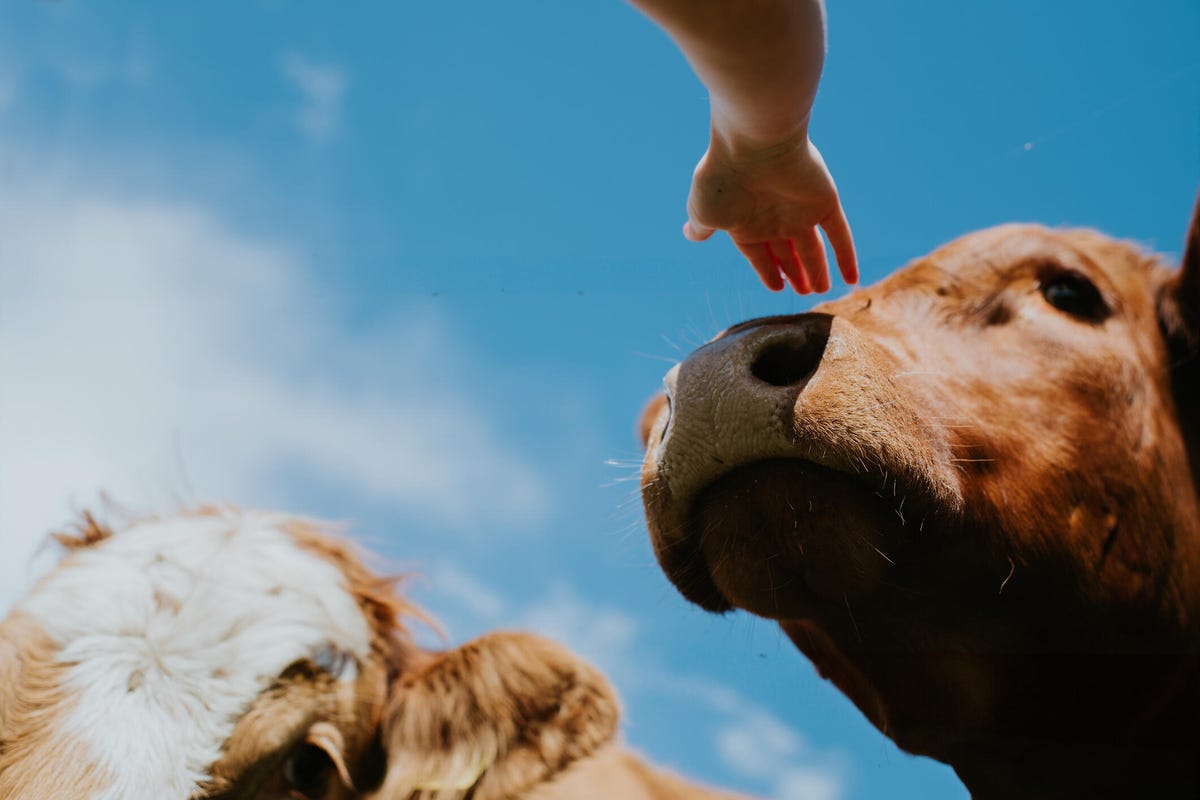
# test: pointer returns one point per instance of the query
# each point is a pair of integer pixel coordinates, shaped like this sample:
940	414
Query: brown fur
33	703
493	719
614	773
512	700
978	516
86	532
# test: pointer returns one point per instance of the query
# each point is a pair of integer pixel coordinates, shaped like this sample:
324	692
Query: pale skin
761	180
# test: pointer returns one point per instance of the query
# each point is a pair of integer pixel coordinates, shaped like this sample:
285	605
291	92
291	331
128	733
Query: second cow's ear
495	717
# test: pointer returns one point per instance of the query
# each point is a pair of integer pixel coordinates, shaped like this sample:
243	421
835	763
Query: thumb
695	232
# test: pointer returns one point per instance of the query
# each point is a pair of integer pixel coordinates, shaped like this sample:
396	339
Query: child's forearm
759	59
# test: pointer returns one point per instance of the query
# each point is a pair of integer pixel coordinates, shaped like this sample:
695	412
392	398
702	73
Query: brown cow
247	655
968	494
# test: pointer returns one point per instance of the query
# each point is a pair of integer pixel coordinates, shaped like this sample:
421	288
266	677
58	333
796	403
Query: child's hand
771	201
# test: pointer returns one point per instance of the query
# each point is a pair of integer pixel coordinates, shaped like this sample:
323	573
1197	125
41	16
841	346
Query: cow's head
968	493
227	654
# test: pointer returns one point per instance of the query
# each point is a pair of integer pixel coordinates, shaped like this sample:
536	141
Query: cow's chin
788	539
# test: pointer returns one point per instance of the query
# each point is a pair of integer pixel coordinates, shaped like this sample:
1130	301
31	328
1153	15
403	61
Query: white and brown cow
233	654
968	493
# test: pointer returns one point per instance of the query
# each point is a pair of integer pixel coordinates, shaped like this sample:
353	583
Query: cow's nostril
786	362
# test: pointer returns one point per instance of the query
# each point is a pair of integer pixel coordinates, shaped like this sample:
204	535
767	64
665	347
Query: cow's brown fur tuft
87	531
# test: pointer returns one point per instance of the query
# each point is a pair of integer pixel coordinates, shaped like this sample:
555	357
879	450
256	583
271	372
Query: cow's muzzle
760	491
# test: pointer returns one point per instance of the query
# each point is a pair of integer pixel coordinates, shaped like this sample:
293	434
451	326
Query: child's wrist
741	144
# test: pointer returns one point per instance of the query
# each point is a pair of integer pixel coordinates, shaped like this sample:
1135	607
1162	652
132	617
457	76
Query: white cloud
756	743
149	351
809	783
323	87
759	745
466	591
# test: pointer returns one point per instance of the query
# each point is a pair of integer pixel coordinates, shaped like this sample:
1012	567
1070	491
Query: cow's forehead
169	631
988	252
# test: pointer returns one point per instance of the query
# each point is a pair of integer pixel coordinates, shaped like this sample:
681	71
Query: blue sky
418	266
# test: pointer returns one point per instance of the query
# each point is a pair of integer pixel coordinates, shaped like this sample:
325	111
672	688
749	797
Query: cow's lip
877	502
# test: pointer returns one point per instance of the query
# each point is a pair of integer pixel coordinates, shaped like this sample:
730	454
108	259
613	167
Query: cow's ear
1179	299
1189	275
494	717
1179	316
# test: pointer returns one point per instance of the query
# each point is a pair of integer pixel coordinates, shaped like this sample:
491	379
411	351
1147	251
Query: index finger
837	231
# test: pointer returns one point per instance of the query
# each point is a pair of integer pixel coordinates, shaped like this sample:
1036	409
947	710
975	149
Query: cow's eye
308	770
1072	293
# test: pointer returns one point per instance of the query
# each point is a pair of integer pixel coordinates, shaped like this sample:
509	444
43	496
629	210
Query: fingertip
760	258
849	269
696	233
847	262
837	230
820	282
812	253
786	256
770	277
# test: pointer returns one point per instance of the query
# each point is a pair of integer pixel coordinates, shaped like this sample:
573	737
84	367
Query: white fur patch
174	627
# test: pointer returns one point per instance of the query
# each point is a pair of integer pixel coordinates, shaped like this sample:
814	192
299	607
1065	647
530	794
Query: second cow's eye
308	771
1072	293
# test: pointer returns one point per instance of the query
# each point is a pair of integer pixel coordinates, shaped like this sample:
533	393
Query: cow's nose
787	357
733	399
769	354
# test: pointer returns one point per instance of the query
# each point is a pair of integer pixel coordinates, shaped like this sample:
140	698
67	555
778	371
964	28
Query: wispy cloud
149	350
322	87
448	581
758	745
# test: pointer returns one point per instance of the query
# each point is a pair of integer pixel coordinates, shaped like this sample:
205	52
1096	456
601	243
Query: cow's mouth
784	538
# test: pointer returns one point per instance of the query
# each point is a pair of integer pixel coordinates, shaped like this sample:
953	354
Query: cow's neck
1060	725
1036	770
1153	752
